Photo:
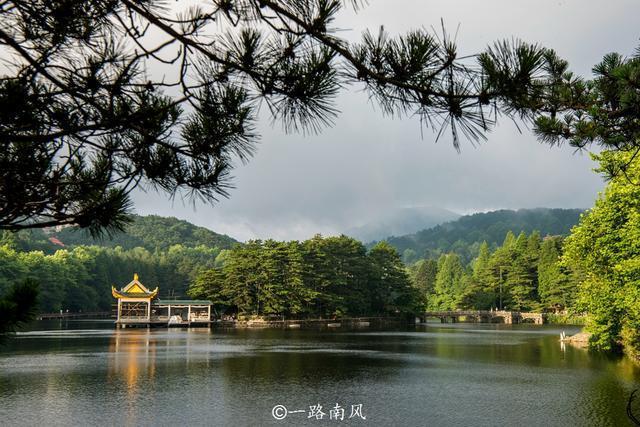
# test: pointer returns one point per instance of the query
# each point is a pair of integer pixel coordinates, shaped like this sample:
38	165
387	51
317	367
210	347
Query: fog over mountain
401	221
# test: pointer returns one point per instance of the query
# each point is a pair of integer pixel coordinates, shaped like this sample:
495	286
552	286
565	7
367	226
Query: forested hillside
151	232
80	279
465	235
76	272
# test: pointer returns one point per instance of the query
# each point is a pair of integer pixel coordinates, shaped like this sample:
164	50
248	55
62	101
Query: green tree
479	292
284	292
348	266
521	280
389	284
297	294
211	285
556	285
500	264
244	278
605	250
425	279
11	266
17	305
601	111
448	288
317	275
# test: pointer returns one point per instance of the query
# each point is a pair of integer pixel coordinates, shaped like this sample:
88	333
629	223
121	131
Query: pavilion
137	305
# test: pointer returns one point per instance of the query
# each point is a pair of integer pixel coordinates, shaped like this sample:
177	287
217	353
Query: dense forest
593	270
525	273
336	276
76	272
328	276
465	235
319	277
80	279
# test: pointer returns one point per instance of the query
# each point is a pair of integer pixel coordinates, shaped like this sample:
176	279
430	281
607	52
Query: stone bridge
483	316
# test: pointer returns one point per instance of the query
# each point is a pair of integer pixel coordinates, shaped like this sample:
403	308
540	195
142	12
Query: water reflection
437	375
133	355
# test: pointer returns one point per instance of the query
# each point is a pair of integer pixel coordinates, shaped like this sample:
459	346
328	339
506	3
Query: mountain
401	221
465	234
151	232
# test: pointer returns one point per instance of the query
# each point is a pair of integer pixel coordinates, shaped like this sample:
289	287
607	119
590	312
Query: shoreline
347	322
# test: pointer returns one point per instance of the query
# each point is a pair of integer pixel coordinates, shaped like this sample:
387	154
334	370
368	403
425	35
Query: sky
367	164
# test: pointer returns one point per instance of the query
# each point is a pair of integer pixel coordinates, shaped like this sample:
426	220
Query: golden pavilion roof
135	289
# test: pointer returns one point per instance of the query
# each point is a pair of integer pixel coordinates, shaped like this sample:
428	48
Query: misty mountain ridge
465	235
401	221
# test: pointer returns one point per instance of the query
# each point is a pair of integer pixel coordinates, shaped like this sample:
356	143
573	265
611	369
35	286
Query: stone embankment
352	322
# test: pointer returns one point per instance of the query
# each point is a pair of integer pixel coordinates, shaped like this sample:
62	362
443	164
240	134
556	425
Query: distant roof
182	302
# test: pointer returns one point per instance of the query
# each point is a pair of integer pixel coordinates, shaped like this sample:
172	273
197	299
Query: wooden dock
161	321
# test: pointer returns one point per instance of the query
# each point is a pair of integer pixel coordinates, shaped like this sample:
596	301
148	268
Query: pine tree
211	285
317	275
425	279
390	288
500	265
244	281
273	265
479	291
521	283
298	296
448	287
556	285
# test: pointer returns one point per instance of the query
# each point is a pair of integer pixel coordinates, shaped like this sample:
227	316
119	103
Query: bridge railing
477	312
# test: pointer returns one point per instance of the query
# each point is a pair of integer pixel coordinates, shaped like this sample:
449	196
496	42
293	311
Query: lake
89	373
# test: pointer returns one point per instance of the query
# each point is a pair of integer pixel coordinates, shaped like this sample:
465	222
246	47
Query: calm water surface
88	373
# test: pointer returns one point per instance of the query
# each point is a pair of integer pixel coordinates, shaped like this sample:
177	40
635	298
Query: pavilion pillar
119	310
149	310
189	313
169	311
209	312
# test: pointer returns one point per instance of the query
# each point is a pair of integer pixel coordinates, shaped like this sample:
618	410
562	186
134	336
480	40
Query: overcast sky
367	164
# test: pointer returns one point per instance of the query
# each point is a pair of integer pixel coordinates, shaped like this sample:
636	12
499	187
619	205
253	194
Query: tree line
525	273
319	277
80	279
